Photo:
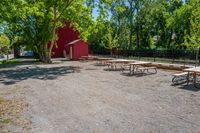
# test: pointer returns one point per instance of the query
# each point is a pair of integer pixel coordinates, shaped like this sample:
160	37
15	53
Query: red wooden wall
79	49
67	34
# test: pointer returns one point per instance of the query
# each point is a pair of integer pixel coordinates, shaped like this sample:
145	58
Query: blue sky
95	13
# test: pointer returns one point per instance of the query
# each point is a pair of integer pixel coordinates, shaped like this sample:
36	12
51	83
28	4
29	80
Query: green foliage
153	24
4	44
4	40
194	38
9	61
34	23
123	24
110	39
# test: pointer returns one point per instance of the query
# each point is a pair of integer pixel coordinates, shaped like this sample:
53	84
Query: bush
4	62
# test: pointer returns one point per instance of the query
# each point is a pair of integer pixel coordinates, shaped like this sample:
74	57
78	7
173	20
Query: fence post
138	54
184	58
173	56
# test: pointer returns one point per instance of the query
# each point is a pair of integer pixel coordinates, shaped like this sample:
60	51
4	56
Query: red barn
69	44
77	48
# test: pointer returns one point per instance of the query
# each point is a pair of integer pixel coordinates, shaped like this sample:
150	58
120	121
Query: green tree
110	39
193	40
119	14
5	46
37	22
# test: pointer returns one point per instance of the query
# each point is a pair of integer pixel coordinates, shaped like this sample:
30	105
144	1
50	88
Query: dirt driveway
73	97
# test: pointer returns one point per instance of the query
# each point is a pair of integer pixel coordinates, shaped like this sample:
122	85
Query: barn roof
74	42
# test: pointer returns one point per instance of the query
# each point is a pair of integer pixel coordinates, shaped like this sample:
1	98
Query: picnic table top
85	56
104	58
139	63
89	56
194	69
120	61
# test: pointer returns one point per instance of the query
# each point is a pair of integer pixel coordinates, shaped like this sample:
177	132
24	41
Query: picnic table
134	65
113	63
194	71
88	57
102	61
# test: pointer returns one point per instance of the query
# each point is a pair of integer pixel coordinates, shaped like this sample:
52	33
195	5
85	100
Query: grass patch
5	121
10	109
11	115
9	61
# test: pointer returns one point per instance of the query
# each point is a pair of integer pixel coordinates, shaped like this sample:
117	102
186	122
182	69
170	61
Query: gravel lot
70	97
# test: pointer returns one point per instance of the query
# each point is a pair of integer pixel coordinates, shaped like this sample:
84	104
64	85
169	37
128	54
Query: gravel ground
70	97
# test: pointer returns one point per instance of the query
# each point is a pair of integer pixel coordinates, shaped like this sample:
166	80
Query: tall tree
37	21
5	46
193	40
110	39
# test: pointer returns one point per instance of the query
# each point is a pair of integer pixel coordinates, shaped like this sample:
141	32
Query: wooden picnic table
134	65
113	63
102	60
89	57
194	71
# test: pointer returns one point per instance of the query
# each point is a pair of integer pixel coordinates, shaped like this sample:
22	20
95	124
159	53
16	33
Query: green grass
5	121
9	61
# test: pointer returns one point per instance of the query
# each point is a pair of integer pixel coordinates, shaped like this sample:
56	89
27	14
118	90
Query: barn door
71	53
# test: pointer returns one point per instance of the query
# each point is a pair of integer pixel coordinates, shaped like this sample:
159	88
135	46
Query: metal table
134	65
194	71
102	61
113	63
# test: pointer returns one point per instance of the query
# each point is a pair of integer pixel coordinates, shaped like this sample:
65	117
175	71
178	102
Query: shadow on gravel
137	74
99	65
111	69
9	77
189	87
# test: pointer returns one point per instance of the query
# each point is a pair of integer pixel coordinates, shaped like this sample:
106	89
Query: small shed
77	49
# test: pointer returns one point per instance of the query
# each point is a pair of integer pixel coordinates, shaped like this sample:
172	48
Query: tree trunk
7	57
7	54
137	27
111	53
131	34
131	24
197	57
49	54
137	38
43	54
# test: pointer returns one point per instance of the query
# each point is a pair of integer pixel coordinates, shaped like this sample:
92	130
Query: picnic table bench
102	61
195	71
89	57
141	66
180	77
189	74
143	69
113	63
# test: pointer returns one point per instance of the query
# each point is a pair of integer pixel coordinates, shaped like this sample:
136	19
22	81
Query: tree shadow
9	77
